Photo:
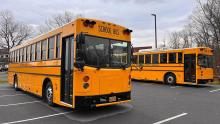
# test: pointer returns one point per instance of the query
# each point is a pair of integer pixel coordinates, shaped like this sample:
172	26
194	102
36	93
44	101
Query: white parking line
31	119
23	103
5	89
11	95
171	118
214	90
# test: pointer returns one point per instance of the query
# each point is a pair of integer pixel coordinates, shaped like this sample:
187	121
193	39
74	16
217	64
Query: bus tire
15	85
170	79
48	92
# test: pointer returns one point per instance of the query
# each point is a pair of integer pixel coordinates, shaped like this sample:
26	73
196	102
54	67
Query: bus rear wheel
170	79
48	94
16	83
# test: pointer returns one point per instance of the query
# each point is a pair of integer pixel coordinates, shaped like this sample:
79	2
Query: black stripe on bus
36	66
36	73
158	70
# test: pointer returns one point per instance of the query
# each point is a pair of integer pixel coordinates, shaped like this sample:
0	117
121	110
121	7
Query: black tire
15	85
170	79
48	94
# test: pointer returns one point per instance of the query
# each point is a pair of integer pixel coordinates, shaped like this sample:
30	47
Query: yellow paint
102	82
156	72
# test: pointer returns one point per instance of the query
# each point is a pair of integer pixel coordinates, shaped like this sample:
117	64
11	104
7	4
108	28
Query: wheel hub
170	79
49	94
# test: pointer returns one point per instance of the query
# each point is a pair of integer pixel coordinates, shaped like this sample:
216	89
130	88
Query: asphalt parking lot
152	103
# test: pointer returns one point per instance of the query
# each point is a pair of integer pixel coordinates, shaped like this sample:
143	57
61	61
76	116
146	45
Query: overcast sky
134	14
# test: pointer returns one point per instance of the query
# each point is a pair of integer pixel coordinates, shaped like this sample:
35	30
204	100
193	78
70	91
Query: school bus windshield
106	53
205	61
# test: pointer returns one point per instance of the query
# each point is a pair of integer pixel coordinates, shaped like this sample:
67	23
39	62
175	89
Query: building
4	58
136	49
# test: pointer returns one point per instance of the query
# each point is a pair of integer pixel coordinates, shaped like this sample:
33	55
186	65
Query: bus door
67	70
190	68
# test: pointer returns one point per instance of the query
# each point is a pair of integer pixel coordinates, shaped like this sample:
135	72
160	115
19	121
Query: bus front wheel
48	92
170	79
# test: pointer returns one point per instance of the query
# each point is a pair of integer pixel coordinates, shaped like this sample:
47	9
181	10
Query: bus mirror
80	65
132	52
80	38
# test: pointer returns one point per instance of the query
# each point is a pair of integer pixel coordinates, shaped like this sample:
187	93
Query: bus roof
170	50
41	36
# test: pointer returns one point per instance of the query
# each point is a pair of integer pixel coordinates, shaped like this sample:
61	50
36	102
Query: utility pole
155	18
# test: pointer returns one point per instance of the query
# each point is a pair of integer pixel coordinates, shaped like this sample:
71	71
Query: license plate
112	99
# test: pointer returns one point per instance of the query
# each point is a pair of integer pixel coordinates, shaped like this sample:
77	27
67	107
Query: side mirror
80	65
80	38
132	52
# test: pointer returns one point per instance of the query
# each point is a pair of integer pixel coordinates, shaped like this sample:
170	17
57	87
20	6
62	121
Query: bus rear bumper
102	100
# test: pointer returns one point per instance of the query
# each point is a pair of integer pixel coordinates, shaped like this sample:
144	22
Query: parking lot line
23	103
5	89
11	95
31	119
171	118
214	90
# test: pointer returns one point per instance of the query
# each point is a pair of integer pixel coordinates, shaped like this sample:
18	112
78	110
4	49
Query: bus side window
180	57
155	58
44	50
18	60
28	53
58	46
25	54
147	59
33	52
51	47
21	54
38	50
172	57
141	59
134	61
163	58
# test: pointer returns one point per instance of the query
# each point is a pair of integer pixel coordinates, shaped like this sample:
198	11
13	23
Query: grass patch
216	82
3	77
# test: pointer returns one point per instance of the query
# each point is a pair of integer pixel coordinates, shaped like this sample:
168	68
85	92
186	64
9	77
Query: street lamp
155	18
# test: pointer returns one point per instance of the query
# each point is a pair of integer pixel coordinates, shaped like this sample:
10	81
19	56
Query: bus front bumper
102	100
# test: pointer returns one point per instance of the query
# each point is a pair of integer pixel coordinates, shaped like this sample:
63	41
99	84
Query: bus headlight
85	85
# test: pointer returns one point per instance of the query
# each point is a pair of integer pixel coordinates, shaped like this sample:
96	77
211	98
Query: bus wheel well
15	76
46	81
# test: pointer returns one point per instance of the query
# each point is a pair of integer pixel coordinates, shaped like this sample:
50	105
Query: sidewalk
3	77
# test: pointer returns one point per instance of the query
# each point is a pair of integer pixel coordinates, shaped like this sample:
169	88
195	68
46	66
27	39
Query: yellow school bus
176	66
85	63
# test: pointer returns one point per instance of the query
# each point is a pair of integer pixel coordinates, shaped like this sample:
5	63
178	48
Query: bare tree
12	32
174	40
57	21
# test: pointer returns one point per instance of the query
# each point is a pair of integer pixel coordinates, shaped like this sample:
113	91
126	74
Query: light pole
155	18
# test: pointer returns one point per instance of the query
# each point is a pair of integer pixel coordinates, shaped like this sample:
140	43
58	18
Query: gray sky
134	14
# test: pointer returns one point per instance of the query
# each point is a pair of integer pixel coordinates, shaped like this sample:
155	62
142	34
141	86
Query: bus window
180	58
28	53
141	59
134	61
25	54
32	52
58	46
147	59
44	50
155	58
21	53
172	57
163	58
38	55
51	47
17	55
